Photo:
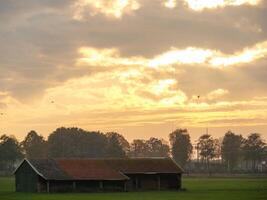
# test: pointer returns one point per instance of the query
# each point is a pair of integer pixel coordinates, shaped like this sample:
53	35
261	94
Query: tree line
227	153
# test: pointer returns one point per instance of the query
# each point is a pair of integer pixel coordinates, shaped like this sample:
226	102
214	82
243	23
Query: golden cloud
217	94
110	8
247	55
106	57
120	98
200	5
191	55
170	3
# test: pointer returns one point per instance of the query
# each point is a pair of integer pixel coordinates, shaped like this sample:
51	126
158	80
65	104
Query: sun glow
170	3
191	55
106	57
110	8
246	56
200	5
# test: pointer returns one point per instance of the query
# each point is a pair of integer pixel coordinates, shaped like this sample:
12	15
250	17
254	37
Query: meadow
197	189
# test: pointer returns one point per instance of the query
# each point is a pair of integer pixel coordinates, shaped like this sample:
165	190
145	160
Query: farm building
97	175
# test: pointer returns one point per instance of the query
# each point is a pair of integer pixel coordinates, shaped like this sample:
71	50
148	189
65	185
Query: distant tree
181	147
153	147
123	143
208	148
231	149
34	145
117	145
76	143
139	148
254	149
10	152
157	148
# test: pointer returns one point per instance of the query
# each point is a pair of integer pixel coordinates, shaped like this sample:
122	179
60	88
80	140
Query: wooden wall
26	179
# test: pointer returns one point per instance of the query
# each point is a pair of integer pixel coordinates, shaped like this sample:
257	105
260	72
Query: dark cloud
38	36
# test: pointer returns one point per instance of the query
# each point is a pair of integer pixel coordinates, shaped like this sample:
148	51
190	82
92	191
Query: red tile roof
90	170
145	165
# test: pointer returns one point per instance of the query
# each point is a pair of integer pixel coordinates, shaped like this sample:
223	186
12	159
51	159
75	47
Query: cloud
200	5
106	57
120	64
247	55
170	3
191	55
110	8
217	94
7	101
120	101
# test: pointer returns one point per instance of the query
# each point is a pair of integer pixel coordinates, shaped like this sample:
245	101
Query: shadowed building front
97	175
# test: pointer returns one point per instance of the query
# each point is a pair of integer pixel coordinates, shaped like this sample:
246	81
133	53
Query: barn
97	175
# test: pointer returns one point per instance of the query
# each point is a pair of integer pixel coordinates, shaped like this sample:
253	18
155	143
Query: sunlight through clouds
170	3
106	57
129	103
98	64
200	5
115	94
217	94
110	8
246	56
191	55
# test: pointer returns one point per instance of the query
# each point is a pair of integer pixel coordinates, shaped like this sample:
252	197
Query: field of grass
197	189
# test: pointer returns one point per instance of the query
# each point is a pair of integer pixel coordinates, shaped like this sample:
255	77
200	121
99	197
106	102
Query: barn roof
145	165
90	170
100	169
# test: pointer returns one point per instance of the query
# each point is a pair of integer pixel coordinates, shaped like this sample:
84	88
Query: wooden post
38	186
101	185
136	183
74	185
159	182
47	186
125	186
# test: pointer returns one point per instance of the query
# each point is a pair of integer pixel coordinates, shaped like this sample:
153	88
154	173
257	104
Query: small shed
97	175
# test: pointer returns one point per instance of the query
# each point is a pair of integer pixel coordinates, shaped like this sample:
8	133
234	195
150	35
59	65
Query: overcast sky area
138	67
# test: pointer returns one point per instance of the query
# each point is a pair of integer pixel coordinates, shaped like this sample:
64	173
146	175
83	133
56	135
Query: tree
157	148
208	148
10	152
76	143
139	148
254	149
117	145
121	140
231	149
181	147
34	145
153	147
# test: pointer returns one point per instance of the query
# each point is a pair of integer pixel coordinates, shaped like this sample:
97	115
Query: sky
139	67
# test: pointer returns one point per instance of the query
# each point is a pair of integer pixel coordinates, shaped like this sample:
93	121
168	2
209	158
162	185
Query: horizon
136	67
193	133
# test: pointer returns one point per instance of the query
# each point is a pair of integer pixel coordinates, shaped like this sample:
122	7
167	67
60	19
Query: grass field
197	189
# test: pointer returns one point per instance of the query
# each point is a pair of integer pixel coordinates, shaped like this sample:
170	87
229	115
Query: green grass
197	189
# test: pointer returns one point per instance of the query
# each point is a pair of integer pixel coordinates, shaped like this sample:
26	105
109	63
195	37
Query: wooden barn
97	175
